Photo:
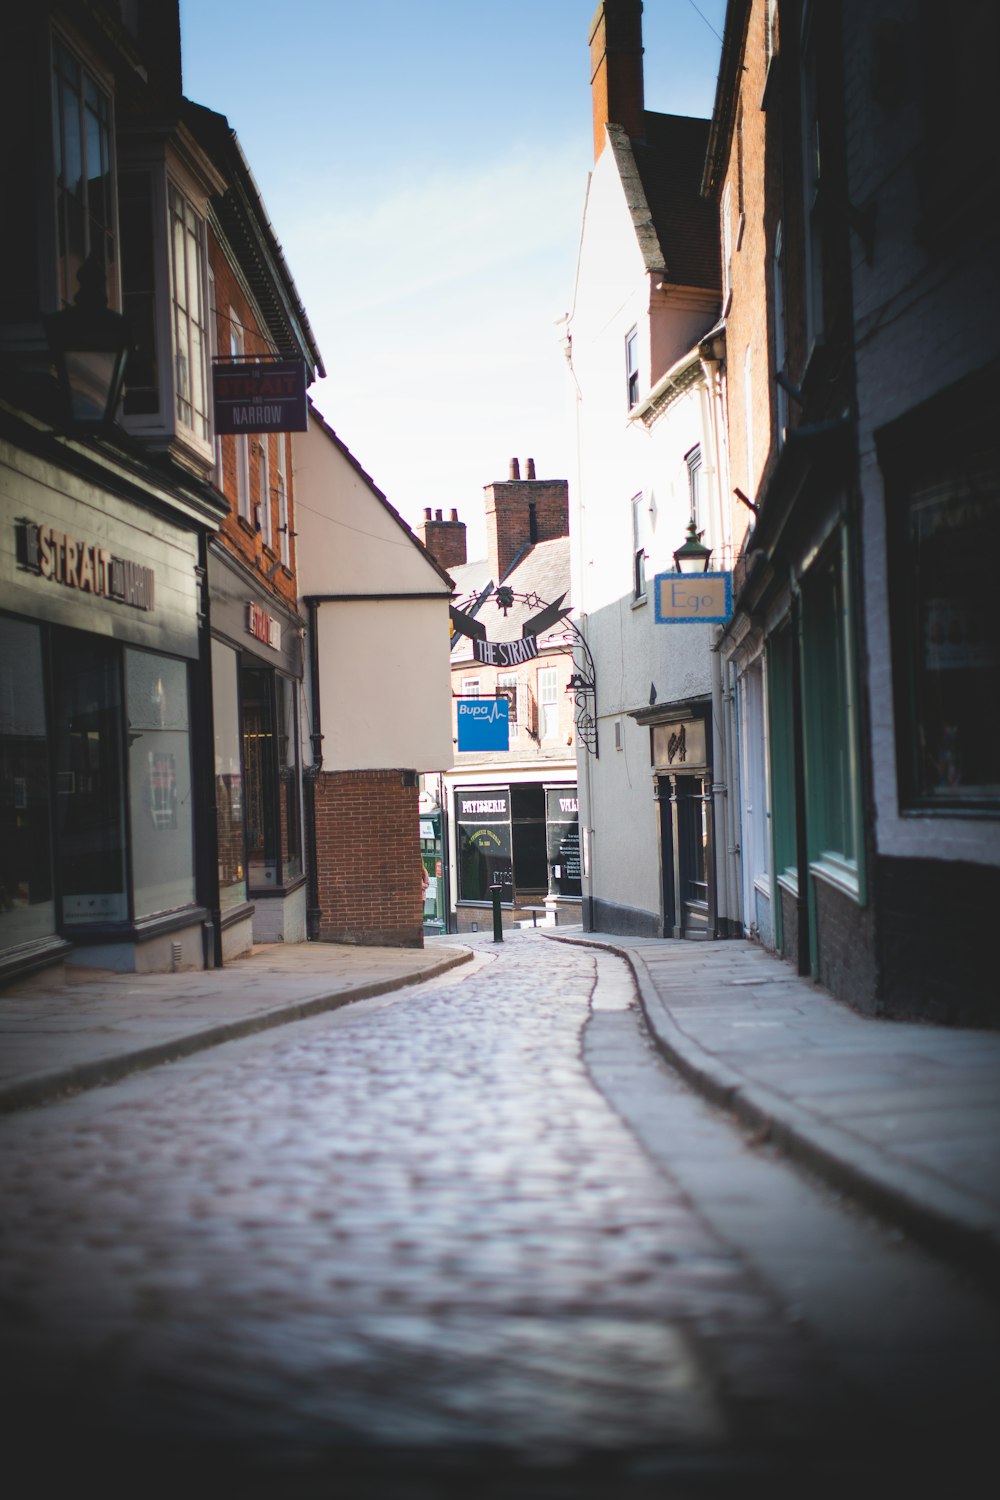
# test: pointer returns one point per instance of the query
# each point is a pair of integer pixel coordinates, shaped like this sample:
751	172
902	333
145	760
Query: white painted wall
384	669
618	457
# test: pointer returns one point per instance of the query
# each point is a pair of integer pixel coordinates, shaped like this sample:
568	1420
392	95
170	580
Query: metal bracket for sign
560	632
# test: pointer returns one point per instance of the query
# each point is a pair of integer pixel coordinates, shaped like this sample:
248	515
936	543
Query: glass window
84	187
831	766
89	778
142	384
228	777
27	908
548	702
264	489
507	688
695	486
288	779
260	770
241	440
949	734
186	242
470	687
632	367
484	849
639	512
563	840
159	753
781	743
284	525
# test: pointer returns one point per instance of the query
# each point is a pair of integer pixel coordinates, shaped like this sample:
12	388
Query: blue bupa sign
483	724
693	598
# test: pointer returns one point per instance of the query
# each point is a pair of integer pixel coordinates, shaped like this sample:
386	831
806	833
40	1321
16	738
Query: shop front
99	645
256	676
523	836
683	789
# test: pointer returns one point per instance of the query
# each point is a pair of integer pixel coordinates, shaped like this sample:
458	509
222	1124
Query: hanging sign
483	724
505	653
259	395
693	598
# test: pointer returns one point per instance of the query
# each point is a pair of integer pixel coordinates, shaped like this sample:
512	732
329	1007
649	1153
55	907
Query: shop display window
159	755
27	908
288	780
228	778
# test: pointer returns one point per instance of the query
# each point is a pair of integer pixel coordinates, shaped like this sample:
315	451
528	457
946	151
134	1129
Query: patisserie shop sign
86	566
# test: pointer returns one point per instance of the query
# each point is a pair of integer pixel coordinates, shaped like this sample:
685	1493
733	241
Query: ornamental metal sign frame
551	620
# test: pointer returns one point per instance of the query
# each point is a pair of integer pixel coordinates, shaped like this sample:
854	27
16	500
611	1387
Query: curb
942	1218
61	1083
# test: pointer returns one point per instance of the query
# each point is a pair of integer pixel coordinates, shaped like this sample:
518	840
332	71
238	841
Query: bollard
496	891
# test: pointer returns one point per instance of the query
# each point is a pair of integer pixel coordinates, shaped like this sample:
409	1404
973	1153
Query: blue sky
424	166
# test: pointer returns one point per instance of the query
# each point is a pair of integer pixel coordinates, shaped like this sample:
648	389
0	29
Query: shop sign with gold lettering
693	598
86	566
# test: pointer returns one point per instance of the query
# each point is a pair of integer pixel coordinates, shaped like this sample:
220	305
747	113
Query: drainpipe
309	779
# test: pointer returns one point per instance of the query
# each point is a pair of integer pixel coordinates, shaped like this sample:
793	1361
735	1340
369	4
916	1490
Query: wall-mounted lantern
89	345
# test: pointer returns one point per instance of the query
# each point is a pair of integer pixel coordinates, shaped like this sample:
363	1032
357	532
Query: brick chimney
616	69
520	512
444	540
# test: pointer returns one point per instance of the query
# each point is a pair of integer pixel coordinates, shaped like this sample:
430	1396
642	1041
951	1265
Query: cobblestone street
471	1238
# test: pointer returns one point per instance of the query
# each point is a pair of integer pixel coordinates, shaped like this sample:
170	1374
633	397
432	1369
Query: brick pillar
444	540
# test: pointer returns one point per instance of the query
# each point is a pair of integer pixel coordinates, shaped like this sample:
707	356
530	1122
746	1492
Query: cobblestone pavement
471	1239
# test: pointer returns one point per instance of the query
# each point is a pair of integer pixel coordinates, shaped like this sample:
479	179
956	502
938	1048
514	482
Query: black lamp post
692	556
89	346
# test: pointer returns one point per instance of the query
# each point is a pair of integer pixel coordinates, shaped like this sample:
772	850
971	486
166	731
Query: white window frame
284	524
213	350
727	247
241	441
470	687
548	703
696	489
632	368
265	524
640	538
188	316
510	681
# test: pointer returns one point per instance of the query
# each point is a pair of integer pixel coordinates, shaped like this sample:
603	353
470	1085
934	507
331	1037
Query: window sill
841	874
639	601
788	880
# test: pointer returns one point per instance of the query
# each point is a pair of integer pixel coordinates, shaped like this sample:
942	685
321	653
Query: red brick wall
241	537
508	517
368	859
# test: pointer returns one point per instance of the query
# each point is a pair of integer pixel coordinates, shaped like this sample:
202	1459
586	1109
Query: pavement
904	1118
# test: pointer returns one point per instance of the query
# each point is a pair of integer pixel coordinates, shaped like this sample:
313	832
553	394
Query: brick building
509	816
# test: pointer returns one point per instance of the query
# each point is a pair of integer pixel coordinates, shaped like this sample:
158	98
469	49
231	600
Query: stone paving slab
903	1116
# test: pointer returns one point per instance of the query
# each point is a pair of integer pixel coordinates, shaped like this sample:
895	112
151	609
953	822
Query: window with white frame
84	174
213	350
632	367
507	688
264	490
470	687
695	472
188	266
640	529
284	525
548	703
241	441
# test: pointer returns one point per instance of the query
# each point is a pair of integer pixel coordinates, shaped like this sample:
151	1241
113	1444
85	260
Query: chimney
616	69
521	512
444	540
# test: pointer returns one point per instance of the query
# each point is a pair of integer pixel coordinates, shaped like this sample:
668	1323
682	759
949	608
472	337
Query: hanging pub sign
259	395
693	598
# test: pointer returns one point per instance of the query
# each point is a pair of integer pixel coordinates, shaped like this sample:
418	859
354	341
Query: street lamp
692	556
89	346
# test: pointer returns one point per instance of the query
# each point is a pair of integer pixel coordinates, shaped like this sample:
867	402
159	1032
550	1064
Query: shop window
27	908
288	779
781	745
482	818
948	654
260	772
562	832
829	715
228	777
527	810
84	181
89	779
159	756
